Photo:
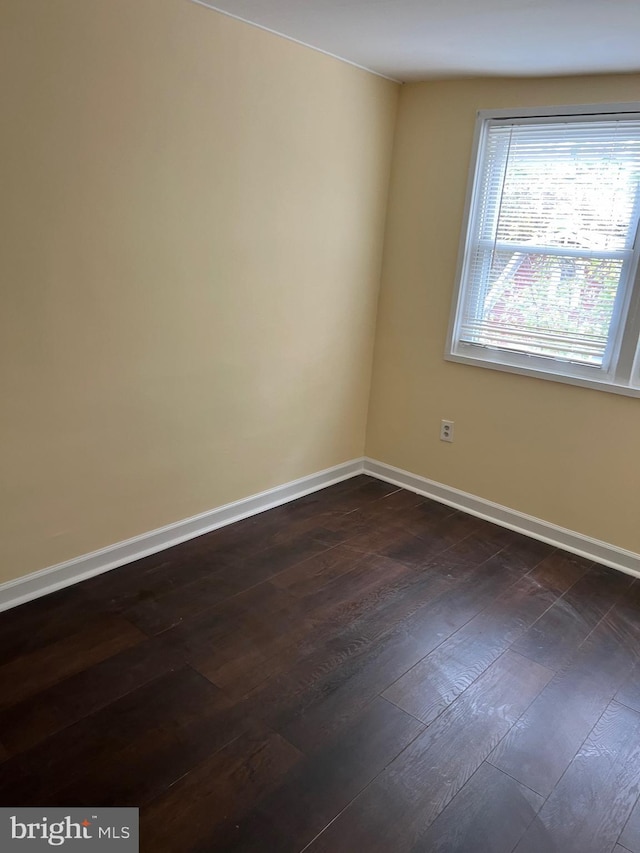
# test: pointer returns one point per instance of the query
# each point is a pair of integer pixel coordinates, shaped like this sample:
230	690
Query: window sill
593	384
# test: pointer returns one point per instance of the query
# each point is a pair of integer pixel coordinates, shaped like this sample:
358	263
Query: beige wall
191	233
565	454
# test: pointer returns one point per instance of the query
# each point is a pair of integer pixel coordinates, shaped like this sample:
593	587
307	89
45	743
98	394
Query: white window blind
550	251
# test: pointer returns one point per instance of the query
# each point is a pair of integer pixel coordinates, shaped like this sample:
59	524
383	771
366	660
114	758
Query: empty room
320	426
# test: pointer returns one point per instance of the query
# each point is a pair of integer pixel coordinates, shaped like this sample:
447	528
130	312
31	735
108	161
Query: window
547	275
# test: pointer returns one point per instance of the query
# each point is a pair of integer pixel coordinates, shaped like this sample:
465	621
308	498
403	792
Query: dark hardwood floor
360	670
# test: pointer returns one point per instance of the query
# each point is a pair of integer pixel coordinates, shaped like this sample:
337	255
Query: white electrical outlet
446	430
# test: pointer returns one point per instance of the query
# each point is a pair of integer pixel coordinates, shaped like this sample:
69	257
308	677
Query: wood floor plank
557	634
216	794
309	576
347	597
337	606
342	498
249	638
630	835
473	589
488	815
158	613
318	787
352	618
254	618
326	689
274	559
590	806
368	595
204	556
560	570
129	752
433	683
154	576
40	716
527	554
398	807
314	703
35	671
461	560
629	692
324	783
45	620
539	748
225	551
408	517
415	550
275	526
388	513
419	531
161	613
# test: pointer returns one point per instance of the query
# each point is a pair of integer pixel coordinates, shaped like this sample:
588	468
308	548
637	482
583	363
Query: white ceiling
418	39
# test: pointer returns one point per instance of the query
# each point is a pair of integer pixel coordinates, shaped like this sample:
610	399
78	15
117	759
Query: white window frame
624	375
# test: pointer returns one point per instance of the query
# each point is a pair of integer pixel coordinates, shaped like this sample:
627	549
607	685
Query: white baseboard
545	531
48	580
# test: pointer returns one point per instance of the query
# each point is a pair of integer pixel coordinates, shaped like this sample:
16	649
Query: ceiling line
296	41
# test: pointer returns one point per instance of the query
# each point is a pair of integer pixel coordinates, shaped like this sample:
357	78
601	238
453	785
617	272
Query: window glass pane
571	185
552	305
